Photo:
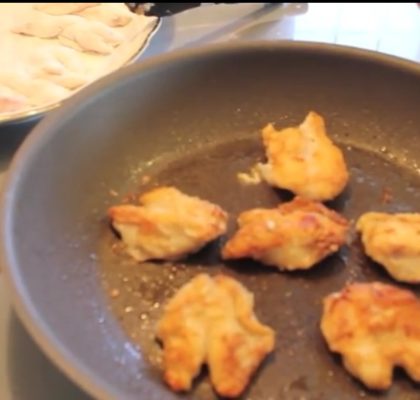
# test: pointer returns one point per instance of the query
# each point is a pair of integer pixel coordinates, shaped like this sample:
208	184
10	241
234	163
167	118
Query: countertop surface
25	373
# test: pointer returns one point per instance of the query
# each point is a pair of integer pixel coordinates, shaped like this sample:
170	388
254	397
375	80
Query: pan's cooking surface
301	367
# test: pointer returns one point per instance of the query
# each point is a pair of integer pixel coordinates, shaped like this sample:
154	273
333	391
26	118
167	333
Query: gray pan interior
192	119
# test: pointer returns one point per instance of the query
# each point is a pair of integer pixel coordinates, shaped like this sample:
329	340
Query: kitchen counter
25	373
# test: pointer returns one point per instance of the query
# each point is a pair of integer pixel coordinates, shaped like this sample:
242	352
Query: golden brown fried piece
211	320
168	225
295	235
393	240
304	160
375	327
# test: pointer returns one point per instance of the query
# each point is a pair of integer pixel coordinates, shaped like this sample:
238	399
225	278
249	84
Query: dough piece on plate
43	26
39	92
63	8
11	101
111	14
42	93
58	65
90	36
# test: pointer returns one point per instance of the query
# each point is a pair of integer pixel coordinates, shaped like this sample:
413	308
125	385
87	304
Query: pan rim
32	317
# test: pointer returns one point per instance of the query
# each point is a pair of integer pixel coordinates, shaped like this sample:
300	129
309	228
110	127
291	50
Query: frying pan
192	119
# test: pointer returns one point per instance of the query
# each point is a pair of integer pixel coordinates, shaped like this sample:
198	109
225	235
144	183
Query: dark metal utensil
167	9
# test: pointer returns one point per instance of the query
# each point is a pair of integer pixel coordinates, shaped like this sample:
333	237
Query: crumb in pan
253	177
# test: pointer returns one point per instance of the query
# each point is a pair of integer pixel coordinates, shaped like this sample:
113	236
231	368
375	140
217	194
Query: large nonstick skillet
192	120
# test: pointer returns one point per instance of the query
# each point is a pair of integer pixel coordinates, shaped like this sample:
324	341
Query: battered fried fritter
211	320
375	327
393	240
304	160
295	235
168	225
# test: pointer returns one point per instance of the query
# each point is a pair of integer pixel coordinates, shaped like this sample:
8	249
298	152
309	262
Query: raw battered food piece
39	92
42	93
90	36
58	65
168	225
111	14
63	78
63	8
304	160
11	101
92	54
375	327
68	58
393	240
43	26
212	321
295	235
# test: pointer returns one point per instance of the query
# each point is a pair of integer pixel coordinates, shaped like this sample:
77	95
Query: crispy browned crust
304	160
375	327
211	320
309	228
393	240
167	225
